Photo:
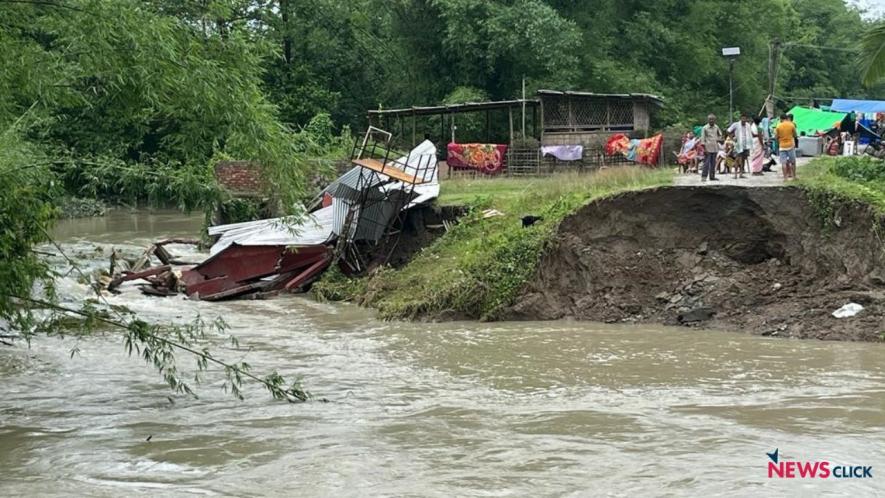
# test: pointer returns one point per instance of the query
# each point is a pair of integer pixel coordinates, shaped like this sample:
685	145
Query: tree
95	86
872	59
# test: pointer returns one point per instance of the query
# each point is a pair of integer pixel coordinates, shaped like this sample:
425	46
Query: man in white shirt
742	131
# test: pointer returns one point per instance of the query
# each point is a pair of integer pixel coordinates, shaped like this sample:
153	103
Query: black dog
528	221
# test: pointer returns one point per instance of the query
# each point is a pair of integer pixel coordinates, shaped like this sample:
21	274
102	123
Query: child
725	157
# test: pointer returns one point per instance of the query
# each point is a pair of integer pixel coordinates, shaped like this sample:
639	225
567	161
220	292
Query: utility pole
731	53
773	54
730	90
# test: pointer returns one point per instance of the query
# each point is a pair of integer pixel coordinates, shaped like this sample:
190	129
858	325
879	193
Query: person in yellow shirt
785	134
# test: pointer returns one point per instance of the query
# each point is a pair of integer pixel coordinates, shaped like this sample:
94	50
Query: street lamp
731	53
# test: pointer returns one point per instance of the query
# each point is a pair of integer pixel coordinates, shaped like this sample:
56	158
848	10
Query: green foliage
78	207
480	265
872	57
26	216
860	169
238	210
853	178
137	103
468	125
335	286
832	182
188	187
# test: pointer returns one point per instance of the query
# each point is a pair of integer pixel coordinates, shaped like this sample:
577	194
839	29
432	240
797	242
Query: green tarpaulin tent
812	121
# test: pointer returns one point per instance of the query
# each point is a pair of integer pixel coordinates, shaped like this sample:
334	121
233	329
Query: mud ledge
767	261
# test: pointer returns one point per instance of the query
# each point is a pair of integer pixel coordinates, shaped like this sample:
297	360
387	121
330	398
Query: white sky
875	8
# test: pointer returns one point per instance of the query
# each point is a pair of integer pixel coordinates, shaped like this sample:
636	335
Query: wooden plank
397	174
127	276
308	274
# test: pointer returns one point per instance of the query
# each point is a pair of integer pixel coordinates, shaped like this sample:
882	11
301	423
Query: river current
418	409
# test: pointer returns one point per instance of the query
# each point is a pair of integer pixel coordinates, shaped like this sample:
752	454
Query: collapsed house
354	213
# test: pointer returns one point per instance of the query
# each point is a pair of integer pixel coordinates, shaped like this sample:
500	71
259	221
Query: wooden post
414	123
488	127
510	116
541	113
453	126
523	107
534	121
442	128
608	117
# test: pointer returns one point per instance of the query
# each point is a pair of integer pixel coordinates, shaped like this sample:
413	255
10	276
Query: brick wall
239	177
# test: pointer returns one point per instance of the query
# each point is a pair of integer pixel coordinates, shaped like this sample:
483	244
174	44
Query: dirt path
772	179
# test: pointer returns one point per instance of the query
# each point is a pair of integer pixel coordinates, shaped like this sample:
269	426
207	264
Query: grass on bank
479	266
833	179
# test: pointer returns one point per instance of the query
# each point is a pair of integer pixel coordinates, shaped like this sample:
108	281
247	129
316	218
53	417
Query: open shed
585	118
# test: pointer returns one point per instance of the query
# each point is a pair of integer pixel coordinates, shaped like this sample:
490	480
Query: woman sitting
689	154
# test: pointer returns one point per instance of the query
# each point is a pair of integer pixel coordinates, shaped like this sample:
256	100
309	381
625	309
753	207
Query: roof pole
523	107
510	119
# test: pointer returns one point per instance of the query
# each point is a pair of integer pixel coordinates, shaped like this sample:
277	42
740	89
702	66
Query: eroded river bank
440	409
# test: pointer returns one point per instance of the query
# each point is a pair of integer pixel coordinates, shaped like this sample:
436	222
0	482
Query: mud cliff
769	261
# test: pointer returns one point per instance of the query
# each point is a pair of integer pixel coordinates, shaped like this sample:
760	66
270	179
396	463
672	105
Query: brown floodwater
417	409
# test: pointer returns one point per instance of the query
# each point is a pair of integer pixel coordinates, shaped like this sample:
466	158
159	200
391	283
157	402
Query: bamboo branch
296	395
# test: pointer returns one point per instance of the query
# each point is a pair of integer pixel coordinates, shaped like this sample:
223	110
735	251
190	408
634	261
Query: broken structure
358	210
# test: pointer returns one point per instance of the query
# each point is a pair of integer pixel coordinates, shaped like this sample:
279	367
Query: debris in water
848	310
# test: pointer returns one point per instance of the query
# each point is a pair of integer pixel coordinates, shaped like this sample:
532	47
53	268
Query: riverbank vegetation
133	102
480	265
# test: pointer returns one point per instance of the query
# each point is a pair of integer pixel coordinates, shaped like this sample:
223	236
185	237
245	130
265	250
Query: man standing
711	135
742	131
785	134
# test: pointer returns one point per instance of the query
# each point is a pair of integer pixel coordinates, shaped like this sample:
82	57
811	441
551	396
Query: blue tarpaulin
864	106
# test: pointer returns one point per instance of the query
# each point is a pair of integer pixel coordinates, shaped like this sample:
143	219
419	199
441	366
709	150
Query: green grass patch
478	268
832	179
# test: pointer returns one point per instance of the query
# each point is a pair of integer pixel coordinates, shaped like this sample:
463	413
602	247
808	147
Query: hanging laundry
643	151
487	158
564	152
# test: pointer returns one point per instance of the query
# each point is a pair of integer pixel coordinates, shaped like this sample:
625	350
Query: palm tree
872	54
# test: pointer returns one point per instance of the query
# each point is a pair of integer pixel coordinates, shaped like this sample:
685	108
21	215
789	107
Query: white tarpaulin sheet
315	229
318	227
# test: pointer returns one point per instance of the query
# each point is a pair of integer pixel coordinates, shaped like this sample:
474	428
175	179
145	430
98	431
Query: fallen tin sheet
242	270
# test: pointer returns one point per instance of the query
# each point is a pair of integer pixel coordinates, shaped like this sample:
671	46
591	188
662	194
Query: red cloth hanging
487	158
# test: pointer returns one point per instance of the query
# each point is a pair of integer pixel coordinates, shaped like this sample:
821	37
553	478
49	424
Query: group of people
747	145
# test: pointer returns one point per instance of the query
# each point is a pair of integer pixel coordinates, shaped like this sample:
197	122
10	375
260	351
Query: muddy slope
752	259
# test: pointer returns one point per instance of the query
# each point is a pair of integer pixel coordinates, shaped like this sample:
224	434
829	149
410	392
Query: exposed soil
420	227
758	260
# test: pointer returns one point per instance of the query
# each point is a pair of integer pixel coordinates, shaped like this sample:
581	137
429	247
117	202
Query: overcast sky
875	8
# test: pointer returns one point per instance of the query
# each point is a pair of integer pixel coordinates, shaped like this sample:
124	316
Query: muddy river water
449	409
